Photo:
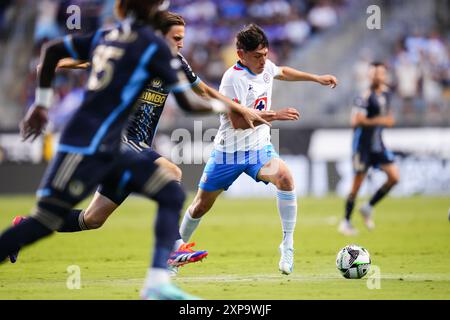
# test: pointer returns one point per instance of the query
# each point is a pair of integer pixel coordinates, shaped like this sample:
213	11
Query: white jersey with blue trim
252	91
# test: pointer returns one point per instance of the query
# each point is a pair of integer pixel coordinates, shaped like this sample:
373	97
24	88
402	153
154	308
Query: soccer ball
353	261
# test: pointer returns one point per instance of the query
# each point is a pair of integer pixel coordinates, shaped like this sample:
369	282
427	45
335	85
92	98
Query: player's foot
15	222
166	291
286	264
185	254
367	213
346	228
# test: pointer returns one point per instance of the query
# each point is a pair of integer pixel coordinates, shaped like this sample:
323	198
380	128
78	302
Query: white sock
188	226
178	243
156	277
287	207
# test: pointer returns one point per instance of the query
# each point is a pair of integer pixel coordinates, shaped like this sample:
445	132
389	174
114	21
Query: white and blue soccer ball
353	261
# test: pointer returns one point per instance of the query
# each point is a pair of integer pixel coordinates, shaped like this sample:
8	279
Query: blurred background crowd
417	53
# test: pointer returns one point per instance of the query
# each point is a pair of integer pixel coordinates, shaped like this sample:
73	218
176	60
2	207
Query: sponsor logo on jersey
260	104
155	98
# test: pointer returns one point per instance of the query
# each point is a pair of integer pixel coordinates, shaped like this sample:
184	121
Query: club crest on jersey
266	77
156	83
261	104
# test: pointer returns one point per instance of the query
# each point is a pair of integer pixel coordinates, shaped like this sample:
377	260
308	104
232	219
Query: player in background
140	133
89	152
236	151
370	115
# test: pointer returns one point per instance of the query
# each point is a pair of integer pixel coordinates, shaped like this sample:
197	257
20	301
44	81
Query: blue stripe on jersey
139	76
124	180
41	193
69	46
96	38
356	137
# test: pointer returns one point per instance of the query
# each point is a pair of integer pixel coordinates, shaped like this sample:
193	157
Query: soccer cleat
346	228
286	264
185	255
15	222
367	212
166	291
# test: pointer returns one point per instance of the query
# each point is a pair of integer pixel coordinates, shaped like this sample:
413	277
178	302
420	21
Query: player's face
175	37
254	60
378	75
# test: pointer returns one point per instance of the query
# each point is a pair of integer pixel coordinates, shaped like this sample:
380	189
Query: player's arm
37	116
251	117
69	63
52	53
359	119
284	114
291	74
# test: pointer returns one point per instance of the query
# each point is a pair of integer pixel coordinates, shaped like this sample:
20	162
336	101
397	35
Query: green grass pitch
410	248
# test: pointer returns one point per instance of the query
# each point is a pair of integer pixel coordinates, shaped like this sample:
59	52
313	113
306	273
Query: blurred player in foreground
124	60
236	151
371	114
140	134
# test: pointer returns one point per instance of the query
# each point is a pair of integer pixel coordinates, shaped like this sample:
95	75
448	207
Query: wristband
44	97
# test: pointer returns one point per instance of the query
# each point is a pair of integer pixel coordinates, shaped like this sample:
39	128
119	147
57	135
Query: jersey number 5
103	67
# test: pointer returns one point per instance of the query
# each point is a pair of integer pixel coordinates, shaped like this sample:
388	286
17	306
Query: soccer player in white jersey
249	82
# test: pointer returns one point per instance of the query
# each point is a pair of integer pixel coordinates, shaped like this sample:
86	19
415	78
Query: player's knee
93	221
177	173
393	180
285	181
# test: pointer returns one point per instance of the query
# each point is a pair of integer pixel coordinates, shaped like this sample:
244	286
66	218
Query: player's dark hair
378	64
164	20
142	10
251	37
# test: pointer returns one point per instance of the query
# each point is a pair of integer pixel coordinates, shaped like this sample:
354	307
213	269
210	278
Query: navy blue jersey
142	127
369	139
123	60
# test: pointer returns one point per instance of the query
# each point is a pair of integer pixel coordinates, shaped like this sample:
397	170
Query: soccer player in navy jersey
371	114
139	137
89	153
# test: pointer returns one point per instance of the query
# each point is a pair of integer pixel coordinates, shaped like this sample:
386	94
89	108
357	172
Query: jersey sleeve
235	89
359	105
80	46
192	77
273	69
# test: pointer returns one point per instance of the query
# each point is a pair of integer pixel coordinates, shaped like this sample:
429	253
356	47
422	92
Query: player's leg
393	176
277	172
385	161
160	185
345	227
68	179
106	201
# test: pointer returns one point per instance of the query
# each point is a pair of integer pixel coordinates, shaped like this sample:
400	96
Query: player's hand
389	121
34	122
328	80
251	116
288	114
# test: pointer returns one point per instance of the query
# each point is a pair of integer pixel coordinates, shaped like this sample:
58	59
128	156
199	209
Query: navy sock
384	190
349	205
73	222
26	232
170	200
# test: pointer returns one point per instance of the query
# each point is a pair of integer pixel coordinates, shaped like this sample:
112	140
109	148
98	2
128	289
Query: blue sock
74	222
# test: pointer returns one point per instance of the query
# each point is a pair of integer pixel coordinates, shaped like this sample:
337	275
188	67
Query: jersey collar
240	66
